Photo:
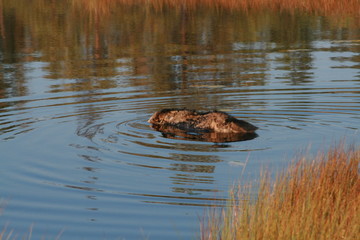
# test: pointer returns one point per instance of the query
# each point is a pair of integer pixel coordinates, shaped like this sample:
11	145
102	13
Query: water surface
78	158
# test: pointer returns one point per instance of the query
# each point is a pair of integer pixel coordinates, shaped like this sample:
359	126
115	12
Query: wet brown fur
191	120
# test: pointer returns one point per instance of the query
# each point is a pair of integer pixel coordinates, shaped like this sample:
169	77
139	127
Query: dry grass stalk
323	7
318	199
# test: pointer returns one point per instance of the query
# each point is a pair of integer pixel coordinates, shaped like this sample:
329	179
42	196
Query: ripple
94	158
91	153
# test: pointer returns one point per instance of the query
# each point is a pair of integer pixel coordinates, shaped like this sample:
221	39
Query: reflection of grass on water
315	6
318	199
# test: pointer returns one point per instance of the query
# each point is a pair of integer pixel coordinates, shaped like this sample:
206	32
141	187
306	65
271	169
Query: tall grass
325	7
317	199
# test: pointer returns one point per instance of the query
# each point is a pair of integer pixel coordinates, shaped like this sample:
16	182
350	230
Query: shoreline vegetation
312	199
321	7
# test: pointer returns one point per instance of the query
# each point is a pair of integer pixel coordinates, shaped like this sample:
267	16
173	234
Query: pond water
77	85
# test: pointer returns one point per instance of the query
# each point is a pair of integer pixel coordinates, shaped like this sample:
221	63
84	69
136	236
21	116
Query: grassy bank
317	199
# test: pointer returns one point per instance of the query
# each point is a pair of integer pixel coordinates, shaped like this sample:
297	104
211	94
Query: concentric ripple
89	161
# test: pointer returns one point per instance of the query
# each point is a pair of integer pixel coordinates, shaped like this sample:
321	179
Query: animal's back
215	121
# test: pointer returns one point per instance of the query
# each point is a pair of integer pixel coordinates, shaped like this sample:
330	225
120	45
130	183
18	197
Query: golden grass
323	7
318	199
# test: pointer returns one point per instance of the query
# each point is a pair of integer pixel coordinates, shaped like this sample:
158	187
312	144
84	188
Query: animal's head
154	118
159	116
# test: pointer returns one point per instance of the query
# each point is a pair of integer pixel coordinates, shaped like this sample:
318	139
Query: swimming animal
200	122
169	131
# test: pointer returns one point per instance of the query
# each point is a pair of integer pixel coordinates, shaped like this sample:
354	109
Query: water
80	161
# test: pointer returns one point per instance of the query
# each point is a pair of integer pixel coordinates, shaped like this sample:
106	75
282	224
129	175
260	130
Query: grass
317	199
323	7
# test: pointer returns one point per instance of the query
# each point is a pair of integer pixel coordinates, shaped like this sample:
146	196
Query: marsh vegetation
315	198
323	7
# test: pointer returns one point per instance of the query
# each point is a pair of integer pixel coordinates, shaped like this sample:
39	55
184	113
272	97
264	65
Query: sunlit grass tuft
317	199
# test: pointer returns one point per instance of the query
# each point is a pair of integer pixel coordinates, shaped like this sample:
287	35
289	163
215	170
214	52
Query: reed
324	7
317	199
